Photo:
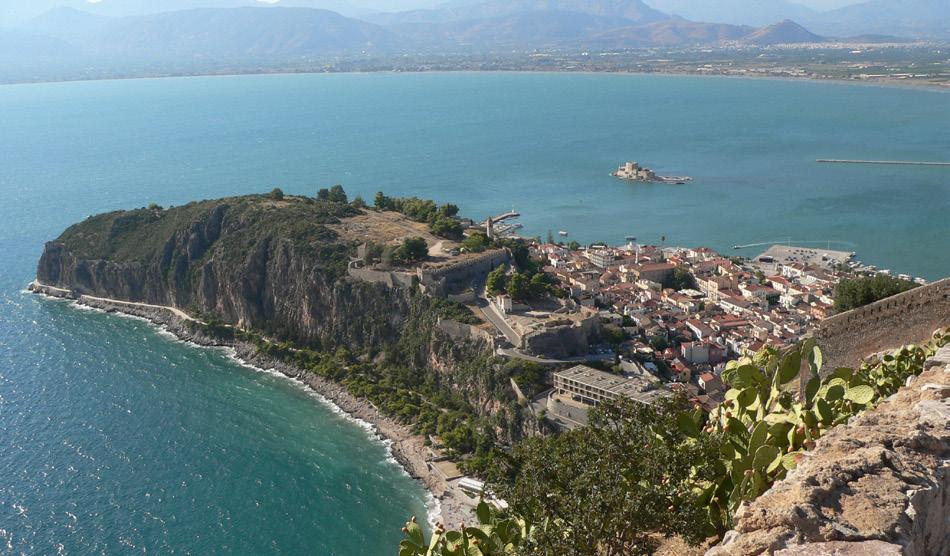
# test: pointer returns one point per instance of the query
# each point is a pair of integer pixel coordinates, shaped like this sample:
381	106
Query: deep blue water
115	439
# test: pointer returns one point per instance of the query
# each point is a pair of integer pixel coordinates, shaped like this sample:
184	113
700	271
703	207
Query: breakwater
898	162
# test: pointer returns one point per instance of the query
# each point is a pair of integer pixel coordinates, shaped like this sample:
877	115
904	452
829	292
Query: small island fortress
634	172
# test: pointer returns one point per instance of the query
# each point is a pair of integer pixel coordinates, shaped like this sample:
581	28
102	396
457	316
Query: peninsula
459	341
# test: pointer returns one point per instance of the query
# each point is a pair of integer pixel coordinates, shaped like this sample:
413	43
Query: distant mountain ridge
631	10
735	12
906	18
275	32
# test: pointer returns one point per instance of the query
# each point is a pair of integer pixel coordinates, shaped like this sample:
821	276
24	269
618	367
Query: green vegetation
412	250
616	483
225	229
476	242
766	427
494	536
276	194
681	279
858	292
441	219
673	470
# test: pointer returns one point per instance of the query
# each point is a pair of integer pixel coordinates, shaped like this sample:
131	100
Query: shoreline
888	82
447	504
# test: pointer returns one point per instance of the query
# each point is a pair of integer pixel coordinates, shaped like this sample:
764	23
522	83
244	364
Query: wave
433	505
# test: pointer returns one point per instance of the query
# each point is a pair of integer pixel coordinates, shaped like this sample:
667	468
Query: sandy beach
408	449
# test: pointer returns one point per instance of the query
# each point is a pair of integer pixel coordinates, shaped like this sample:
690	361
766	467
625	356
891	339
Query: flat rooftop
640	388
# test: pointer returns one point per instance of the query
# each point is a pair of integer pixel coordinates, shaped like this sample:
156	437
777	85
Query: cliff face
260	264
277	267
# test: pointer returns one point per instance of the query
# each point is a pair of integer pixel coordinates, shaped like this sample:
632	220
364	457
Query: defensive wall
389	278
439	281
465	332
907	318
562	341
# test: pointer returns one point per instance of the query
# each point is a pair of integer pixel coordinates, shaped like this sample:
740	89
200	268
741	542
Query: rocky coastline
408	449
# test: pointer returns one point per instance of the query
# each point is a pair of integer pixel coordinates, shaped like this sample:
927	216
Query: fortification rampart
438	281
465	332
906	318
390	278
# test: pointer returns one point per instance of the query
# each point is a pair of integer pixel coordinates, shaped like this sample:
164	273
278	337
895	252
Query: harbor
632	171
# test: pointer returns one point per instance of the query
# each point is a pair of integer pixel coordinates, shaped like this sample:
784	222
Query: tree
276	194
381	201
449	210
681	279
358	202
413	250
573	245
476	242
448	228
323	194
337	195
497	282
858	292
659	342
519	287
606	489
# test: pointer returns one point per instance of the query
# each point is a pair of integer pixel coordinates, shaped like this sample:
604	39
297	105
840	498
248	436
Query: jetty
897	162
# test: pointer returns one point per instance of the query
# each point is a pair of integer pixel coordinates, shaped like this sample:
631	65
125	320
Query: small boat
562	233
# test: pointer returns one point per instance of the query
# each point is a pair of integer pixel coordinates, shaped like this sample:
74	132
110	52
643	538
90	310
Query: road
177	312
492	315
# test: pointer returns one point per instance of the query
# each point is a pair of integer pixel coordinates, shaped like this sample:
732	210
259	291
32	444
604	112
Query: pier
897	162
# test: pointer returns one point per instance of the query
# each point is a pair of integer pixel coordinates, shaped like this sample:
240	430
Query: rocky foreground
876	486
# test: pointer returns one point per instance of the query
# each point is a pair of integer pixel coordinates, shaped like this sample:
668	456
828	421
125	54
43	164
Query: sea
117	439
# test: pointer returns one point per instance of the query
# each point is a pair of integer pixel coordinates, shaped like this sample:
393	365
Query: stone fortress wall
465	332
439	281
907	318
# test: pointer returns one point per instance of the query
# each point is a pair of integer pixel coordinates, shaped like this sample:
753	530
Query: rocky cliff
278	268
272	266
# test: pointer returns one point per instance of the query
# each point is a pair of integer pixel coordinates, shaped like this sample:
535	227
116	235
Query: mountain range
224	34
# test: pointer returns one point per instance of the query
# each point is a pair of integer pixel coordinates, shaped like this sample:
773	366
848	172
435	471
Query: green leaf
764	456
746	375
414	532
790	461
776	462
862	394
811	389
790	368
759	435
746	397
824	411
834	393
483	512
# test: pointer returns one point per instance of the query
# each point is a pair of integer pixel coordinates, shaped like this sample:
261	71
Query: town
643	321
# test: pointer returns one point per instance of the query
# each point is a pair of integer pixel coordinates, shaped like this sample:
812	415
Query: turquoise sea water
115	439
